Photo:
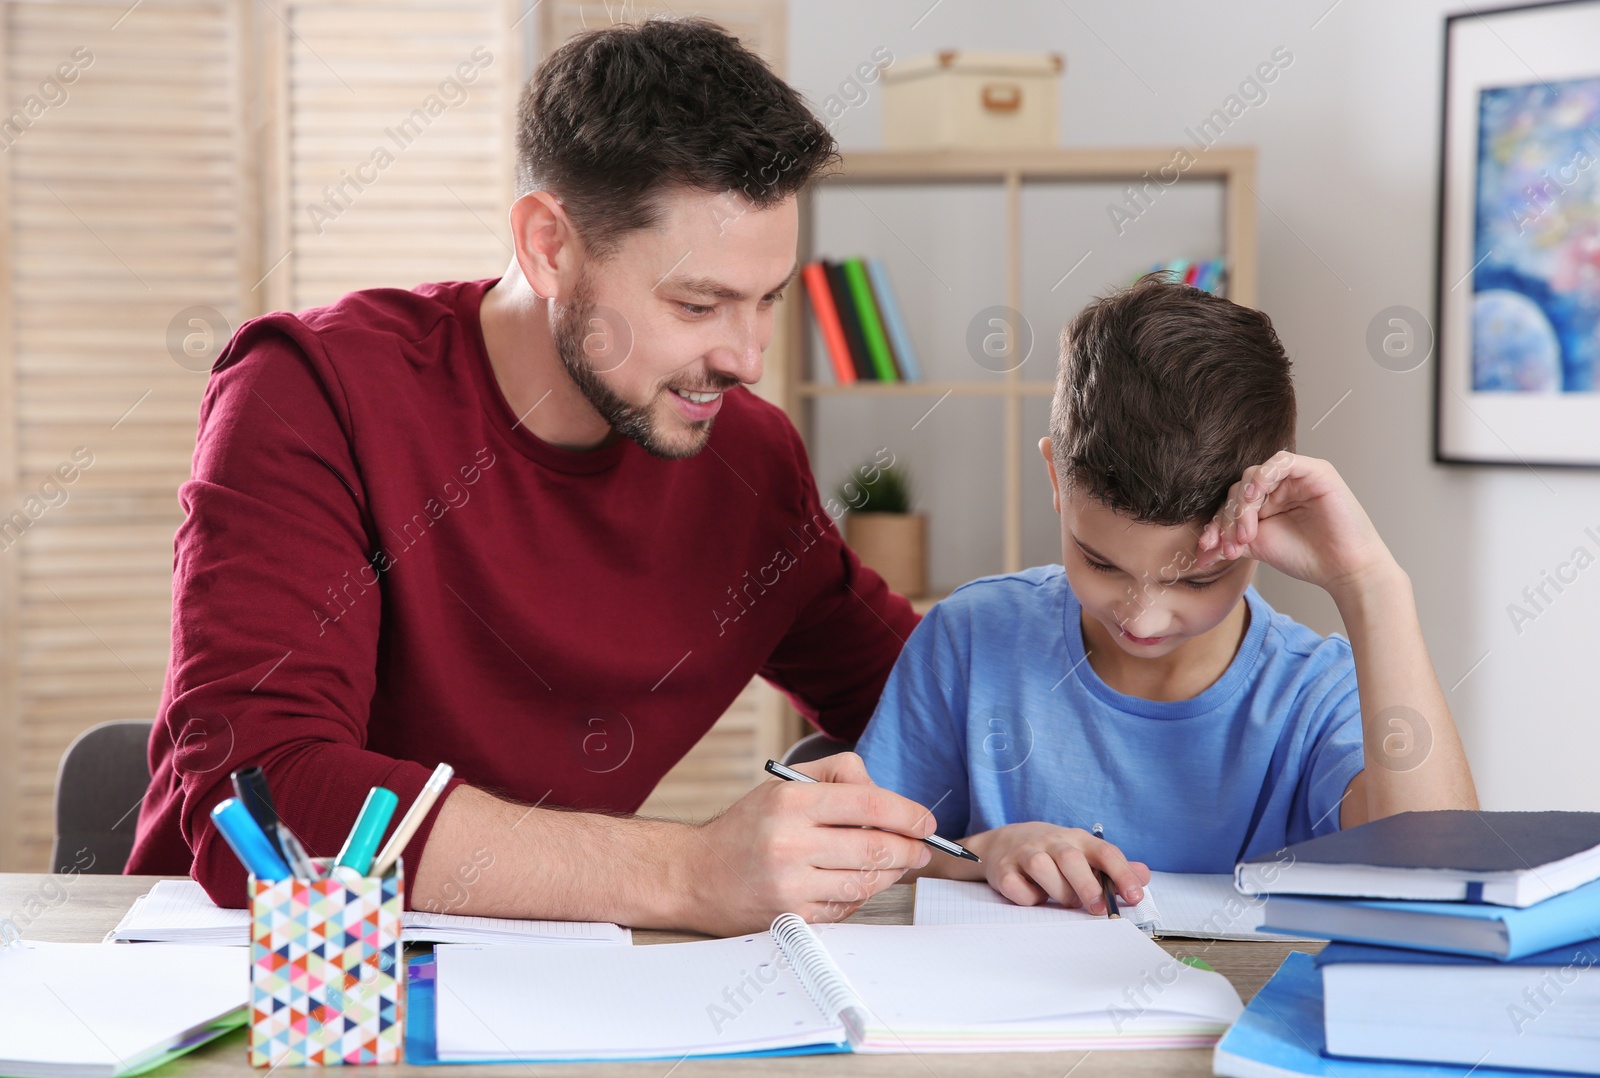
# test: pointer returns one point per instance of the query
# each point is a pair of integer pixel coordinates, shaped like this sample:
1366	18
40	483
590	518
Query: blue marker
249	842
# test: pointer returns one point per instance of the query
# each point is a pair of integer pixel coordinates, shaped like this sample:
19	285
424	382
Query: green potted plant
882	529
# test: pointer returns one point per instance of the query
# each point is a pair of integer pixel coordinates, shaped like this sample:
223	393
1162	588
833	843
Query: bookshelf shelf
922	389
1232	168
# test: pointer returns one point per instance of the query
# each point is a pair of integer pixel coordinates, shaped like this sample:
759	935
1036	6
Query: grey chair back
102	781
815	747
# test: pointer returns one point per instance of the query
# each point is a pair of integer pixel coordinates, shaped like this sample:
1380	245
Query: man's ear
1050	463
546	244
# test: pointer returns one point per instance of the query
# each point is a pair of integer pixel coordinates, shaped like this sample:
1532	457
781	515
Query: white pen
412	820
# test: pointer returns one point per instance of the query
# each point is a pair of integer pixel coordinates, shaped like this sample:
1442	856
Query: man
538	529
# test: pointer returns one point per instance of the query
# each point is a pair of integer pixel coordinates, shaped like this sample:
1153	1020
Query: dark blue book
1493	932
1451	855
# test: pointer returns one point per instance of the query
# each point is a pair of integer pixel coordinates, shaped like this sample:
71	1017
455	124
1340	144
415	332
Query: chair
101	782
815	747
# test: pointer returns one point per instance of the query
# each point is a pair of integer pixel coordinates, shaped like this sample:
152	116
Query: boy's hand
1030	862
1295	514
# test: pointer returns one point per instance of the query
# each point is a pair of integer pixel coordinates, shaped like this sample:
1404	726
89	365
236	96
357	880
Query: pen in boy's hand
1106	890
944	845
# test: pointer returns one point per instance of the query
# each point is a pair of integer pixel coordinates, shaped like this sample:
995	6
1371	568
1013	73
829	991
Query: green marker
362	844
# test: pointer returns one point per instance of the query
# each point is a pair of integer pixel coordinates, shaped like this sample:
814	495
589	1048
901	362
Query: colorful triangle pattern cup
327	973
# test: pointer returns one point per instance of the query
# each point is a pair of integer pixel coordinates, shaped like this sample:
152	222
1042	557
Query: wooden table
82	909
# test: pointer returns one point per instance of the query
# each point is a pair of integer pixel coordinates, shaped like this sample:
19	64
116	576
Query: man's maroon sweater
381	569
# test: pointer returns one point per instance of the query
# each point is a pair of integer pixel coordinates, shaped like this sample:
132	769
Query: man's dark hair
1165	394
615	115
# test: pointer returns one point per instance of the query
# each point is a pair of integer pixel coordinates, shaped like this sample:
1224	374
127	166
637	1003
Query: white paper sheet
664	1000
97	1009
180	911
1202	906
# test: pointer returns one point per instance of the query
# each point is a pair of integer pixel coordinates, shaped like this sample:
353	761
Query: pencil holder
327	973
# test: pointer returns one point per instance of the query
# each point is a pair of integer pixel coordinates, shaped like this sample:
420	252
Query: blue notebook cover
1555	922
422	1037
1280	1033
894	324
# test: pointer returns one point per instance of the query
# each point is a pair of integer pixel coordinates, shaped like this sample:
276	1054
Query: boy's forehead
1119	537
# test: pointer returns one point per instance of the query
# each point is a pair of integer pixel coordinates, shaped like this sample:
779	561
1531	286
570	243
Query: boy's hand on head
1031	862
1297	515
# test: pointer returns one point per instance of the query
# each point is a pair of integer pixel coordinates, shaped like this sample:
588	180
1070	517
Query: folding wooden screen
171	168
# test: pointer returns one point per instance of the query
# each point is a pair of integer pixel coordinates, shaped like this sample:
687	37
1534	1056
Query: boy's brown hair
615	115
1165	394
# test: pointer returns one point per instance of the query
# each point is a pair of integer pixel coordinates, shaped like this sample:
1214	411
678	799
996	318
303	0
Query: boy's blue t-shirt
993	716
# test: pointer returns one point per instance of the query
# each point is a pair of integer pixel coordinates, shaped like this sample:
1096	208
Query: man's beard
633	421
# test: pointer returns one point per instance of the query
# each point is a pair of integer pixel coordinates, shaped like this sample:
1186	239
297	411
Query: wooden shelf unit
1233	166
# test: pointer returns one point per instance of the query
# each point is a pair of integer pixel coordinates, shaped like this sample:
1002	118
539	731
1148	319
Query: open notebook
1175	904
843	987
85	1010
180	911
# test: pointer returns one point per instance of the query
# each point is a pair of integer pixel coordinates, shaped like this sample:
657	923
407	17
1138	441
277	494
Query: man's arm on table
786	847
779	849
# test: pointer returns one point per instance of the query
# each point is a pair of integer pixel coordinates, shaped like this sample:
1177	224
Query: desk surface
92	906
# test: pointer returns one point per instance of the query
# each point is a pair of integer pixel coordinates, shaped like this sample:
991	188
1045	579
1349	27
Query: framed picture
1518	315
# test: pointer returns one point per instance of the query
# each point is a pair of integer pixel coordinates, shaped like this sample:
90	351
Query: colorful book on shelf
1206	274
850	321
894	323
855	273
815	278
1536	1012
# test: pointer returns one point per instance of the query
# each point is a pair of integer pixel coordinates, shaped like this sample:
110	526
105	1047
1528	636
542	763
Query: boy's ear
1050	463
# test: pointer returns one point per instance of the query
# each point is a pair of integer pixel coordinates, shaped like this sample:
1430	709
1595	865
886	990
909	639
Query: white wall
1348	154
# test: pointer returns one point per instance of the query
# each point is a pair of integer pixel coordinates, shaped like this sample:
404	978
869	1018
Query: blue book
1537	1012
894	324
1466	928
1281	1034
1583	954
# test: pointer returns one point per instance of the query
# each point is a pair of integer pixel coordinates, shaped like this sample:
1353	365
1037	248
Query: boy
1143	683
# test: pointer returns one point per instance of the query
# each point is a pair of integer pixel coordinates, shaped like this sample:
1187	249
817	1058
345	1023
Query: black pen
944	845
250	787
1106	889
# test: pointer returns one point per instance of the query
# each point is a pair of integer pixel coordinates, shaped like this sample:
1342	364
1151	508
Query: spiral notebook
1202	906
844	987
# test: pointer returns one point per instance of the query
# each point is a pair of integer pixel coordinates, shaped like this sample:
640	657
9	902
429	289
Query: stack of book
1465	939
860	321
